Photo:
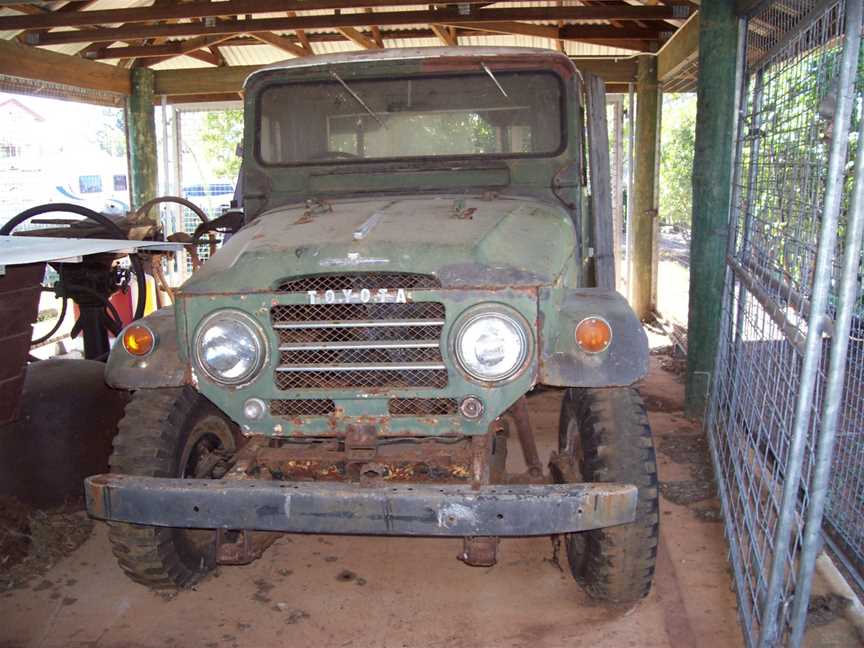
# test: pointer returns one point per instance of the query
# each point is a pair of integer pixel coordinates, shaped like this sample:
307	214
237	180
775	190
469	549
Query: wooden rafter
376	30
524	29
65	9
358	37
193	47
611	10
448	15
301	34
164	51
445	34
285	44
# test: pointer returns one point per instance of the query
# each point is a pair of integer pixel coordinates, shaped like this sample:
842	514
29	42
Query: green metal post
141	138
645	184
712	188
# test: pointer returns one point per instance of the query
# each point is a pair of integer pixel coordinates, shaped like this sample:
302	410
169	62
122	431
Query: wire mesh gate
787	404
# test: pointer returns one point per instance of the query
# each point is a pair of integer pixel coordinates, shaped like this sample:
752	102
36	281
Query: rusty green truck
409	262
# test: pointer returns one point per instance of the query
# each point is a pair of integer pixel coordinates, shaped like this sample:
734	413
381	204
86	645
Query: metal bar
318	507
836	366
404	366
774	311
821	285
358	324
522	419
351	346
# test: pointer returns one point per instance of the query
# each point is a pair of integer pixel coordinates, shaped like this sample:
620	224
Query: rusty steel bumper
332	507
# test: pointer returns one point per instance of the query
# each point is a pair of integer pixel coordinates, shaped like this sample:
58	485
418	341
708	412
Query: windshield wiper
357	98
494	80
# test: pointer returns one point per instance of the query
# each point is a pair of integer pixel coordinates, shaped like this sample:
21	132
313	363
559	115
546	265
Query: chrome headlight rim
504	312
258	335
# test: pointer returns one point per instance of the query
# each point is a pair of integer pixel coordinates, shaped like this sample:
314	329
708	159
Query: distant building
21	137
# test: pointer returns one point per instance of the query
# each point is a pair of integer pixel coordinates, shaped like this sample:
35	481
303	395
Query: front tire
606	434
169	433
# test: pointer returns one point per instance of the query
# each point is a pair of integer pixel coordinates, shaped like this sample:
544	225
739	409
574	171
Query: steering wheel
112	320
339	155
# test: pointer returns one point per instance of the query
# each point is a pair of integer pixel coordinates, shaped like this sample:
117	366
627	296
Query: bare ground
395	592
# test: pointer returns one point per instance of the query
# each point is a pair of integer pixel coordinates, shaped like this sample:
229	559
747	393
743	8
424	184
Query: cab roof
410	53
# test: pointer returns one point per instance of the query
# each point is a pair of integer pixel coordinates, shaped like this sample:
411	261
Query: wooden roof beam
285	44
301	34
32	63
191	10
164	51
445	34
376	30
680	50
448	15
358	38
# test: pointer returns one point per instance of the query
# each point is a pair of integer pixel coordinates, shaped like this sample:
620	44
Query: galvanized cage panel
772	418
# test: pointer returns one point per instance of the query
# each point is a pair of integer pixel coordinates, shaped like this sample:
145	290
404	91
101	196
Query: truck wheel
169	433
606	433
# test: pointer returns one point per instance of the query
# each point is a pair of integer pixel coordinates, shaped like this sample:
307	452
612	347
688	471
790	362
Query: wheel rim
209	444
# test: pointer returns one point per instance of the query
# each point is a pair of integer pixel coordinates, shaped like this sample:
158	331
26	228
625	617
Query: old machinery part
491	345
90	284
230	347
191	243
228	223
144	209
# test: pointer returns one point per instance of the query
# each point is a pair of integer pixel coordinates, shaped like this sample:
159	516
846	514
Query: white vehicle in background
104	189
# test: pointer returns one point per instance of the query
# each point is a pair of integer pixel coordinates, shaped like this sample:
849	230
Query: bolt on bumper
333	507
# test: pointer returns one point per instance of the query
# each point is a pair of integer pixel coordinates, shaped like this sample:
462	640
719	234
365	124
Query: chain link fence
785	418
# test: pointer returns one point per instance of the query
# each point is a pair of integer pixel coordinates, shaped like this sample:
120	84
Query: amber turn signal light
593	334
138	340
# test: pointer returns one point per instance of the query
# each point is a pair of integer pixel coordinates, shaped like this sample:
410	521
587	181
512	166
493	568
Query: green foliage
677	141
110	134
221	133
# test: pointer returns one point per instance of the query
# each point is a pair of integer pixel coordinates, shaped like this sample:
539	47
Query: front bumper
333	507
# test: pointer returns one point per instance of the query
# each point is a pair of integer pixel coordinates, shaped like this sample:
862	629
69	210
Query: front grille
301	407
346	346
372	281
423	406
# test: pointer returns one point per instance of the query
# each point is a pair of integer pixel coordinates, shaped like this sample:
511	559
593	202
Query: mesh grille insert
423	406
302	407
357	281
354	312
402	379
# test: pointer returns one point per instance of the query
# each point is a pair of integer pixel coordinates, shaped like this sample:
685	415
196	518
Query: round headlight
230	347
491	346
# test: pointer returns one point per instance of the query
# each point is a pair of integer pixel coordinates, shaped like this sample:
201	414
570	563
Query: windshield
507	114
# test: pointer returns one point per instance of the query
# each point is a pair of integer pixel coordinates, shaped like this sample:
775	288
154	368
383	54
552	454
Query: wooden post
141	138
712	186
644	184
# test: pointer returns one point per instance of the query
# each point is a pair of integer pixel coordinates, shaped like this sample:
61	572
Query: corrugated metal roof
264	54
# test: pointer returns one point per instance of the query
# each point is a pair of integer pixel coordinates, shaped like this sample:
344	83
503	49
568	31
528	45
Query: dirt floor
359	591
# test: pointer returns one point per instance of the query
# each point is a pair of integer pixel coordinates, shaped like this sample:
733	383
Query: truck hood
463	241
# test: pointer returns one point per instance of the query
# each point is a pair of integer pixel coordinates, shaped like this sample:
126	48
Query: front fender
162	368
564	364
